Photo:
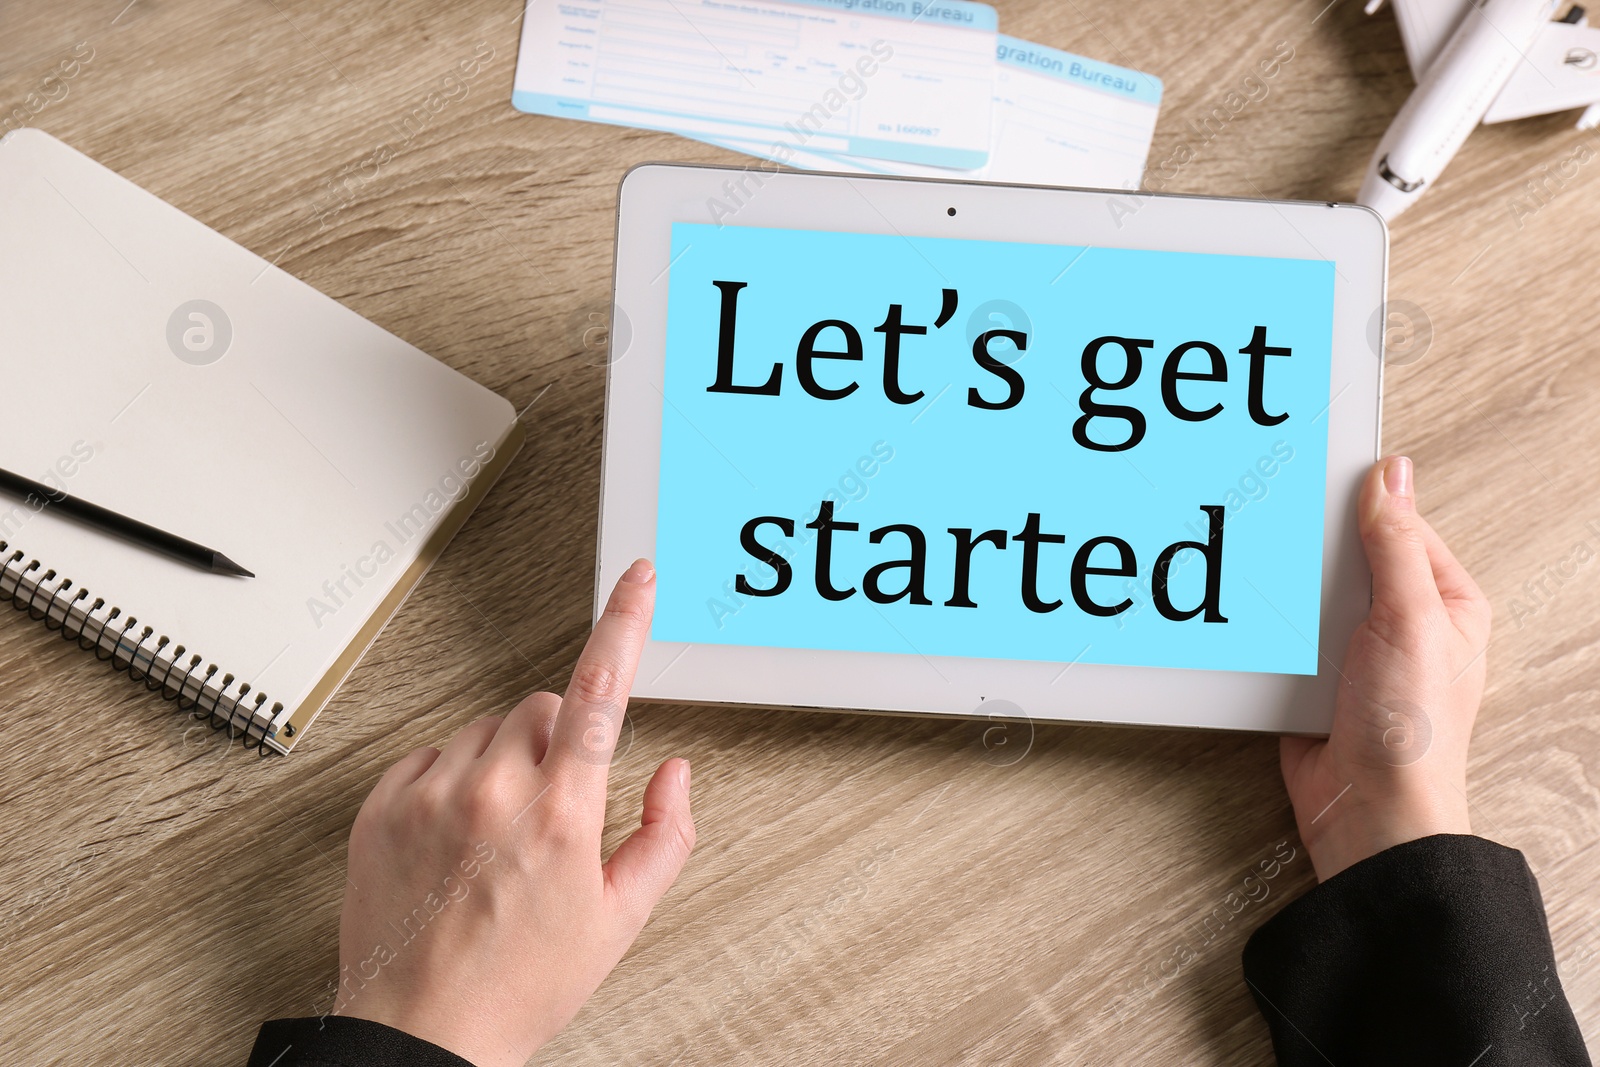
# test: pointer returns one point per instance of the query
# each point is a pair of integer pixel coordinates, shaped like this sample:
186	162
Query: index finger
591	711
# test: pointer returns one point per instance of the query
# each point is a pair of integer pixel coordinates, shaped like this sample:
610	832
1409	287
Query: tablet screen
950	447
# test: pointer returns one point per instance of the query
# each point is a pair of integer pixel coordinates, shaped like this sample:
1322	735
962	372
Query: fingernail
640	572
1397	477
683	774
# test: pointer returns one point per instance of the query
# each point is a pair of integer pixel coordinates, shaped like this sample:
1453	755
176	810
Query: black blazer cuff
338	1041
1431	952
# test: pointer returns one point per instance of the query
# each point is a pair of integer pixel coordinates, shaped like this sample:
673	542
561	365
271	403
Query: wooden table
865	889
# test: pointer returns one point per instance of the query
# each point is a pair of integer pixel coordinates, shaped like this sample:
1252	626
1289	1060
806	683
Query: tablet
991	451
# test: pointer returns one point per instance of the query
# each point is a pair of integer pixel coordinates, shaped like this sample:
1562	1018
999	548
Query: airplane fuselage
1450	100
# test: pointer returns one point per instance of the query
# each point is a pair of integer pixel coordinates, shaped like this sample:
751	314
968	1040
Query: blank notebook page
318	450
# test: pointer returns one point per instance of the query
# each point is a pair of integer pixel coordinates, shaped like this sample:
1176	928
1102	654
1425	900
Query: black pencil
141	534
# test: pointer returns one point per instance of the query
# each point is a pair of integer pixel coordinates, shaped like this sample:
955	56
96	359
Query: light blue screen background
727	458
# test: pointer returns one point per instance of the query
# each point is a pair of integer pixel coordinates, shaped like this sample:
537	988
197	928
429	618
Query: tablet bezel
653	196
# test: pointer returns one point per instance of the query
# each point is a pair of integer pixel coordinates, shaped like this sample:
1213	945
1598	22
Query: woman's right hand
1394	767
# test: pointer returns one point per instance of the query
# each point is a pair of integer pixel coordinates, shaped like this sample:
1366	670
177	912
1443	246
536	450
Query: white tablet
983	450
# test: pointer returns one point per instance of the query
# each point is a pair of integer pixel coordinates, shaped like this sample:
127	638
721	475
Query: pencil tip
223	565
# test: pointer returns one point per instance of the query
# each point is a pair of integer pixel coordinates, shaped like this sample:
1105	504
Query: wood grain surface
866	890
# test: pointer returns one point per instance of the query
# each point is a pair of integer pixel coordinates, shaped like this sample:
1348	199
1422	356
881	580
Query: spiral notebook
154	367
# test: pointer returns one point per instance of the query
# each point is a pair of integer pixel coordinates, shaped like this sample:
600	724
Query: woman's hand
478	915
1395	766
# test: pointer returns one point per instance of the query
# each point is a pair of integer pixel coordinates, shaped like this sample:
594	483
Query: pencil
106	521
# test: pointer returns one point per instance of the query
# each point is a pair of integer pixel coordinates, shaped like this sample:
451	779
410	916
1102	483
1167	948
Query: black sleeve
337	1041
1432	952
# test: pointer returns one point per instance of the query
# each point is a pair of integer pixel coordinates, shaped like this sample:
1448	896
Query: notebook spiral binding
117	638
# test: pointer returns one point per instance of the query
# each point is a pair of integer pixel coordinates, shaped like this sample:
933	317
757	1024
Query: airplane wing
1560	71
1425	25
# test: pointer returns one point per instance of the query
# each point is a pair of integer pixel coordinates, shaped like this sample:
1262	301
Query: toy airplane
1477	61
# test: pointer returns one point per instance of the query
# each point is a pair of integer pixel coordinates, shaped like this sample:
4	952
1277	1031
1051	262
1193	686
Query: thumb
1292	753
645	865
1396	542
